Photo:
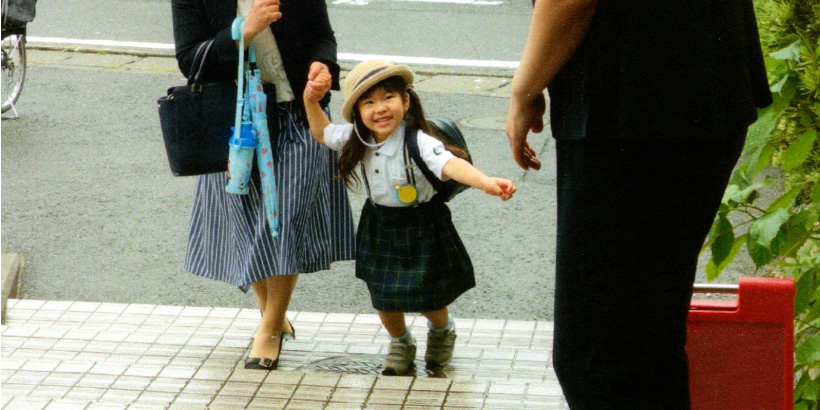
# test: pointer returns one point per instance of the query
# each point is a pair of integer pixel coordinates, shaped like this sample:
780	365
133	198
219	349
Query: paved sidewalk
63	355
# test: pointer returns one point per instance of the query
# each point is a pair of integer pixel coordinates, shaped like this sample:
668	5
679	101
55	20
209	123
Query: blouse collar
393	142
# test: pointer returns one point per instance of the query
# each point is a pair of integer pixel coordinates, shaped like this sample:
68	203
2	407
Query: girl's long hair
353	151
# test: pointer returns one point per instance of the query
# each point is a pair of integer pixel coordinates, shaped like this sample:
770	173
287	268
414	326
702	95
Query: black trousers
632	217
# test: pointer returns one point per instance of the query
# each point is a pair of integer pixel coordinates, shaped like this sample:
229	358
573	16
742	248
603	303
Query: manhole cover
362	364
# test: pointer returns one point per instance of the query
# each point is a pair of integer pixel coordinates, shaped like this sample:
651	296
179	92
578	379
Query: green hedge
783	237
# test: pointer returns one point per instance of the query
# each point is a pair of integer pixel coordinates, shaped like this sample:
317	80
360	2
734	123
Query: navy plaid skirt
411	258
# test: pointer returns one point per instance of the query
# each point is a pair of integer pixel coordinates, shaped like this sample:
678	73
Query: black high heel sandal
265	363
292	334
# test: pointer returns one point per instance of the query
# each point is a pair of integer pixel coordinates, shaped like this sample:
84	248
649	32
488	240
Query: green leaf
810	391
808	351
799	150
724	239
764	158
764	230
760	129
713	270
752	162
730	191
804	288
785	201
778	86
773	65
790	52
815	196
735	195
813	312
762	249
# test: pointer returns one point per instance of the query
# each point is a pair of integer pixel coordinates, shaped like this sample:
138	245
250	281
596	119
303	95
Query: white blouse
271	69
384	166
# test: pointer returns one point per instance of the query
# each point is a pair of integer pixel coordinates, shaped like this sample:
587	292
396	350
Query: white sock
406	338
446	328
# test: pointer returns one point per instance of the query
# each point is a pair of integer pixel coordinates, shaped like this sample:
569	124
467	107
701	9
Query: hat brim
368	82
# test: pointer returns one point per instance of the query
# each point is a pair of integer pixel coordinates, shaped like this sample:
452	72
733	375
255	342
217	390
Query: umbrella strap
238	33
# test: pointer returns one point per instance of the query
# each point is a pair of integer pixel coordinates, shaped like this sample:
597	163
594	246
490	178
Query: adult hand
319	81
523	117
261	15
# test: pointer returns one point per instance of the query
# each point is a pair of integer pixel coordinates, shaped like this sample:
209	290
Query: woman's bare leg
260	288
268	334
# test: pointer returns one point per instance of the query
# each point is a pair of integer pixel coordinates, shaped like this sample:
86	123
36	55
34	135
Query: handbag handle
199	63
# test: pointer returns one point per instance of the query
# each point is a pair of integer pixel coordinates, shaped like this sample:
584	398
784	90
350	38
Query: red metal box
741	351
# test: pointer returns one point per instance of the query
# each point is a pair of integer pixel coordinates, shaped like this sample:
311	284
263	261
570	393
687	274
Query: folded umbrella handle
237	33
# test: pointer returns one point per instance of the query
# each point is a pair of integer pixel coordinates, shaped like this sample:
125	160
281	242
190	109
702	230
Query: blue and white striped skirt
229	237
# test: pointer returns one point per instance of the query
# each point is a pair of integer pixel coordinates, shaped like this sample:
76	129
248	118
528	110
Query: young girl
408	250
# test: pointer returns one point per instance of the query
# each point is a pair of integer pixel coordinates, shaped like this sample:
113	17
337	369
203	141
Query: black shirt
662	68
303	35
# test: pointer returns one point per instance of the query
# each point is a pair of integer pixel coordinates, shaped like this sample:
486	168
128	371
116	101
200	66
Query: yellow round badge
406	193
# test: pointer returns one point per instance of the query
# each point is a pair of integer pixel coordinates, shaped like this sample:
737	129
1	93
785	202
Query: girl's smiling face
382	111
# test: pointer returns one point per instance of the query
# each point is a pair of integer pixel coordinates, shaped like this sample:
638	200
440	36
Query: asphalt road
456	29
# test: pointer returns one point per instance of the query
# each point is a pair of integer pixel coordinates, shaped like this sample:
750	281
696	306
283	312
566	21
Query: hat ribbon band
370	74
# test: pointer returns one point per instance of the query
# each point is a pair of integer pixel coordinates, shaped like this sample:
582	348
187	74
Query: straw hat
365	75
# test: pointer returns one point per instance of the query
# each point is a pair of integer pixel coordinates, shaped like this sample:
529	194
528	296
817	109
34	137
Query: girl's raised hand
319	82
261	15
500	187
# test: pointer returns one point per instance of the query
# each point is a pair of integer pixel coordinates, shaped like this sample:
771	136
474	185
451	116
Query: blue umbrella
254	118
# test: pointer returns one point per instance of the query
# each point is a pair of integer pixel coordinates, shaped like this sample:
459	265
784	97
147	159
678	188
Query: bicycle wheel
14	68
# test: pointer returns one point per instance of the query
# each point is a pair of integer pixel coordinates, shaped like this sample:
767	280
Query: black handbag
196	121
17	13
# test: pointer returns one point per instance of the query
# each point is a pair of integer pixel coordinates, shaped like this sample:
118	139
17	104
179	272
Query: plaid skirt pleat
229	238
411	258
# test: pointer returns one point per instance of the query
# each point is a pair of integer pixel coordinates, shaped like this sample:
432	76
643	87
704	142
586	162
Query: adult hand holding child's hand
319	82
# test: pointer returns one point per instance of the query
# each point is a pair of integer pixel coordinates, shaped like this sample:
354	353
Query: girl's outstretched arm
318	85
464	172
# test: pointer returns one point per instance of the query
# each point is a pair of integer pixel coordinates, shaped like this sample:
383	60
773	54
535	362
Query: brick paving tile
108	356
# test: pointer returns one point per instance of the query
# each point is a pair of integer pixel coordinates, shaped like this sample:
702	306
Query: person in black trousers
649	105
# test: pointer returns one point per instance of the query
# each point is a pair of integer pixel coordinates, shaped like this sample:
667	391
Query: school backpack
449	133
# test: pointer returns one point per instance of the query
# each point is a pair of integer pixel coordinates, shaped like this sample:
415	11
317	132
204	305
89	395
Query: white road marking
430	61
434	61
103	43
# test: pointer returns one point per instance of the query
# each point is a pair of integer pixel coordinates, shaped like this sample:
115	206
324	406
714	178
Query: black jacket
662	68
303	35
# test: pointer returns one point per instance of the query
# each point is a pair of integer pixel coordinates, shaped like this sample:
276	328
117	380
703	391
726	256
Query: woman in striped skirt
229	238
